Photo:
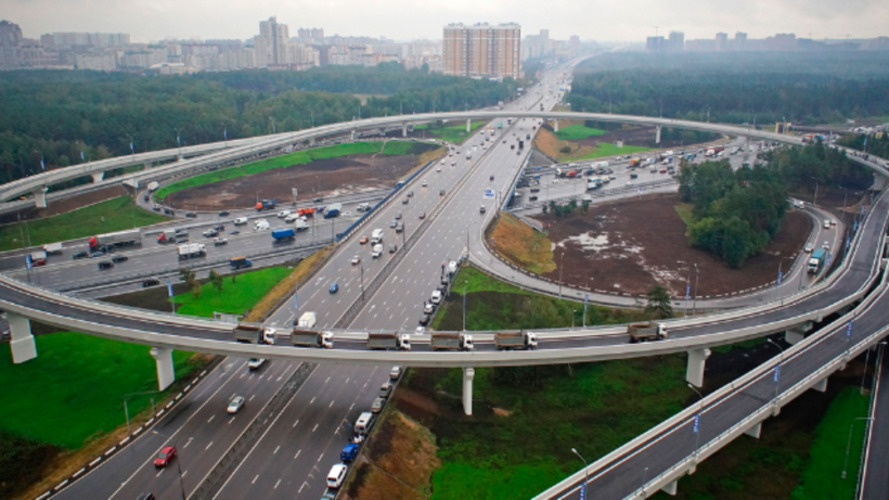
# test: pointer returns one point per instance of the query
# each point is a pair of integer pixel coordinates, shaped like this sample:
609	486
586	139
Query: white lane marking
211	418
294	423
276	450
276	484
254	479
315	428
297	454
313	400
208	446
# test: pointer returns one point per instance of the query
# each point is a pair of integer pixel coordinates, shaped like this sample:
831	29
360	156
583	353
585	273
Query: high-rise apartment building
676	43
482	50
270	45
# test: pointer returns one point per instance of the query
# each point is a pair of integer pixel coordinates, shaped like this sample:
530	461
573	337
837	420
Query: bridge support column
40	197
352	134
556	125
797	333
98	176
163	358
468	125
468	375
22	343
754	431
671	488
311	142
403	129
657	135
694	371
821	386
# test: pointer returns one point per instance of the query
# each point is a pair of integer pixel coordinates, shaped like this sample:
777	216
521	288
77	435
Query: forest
58	118
738	87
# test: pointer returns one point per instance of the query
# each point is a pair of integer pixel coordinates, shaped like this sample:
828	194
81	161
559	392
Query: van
350	451
377	251
386	389
364	423
240	221
336	475
826	223
376	236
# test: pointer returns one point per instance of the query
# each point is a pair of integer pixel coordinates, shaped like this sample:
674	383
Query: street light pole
849	444
696	426
586	473
561	261
777	376
178	464
694	303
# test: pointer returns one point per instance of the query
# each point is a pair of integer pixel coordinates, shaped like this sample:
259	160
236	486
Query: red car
165	456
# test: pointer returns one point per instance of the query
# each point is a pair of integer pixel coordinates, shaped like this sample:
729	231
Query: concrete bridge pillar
754	431
657	135
821	386
556	125
163	358
403	129
352	134
797	333
147	165
311	142
671	488
22	343
468	375
40	197
468	125
97	177
694	371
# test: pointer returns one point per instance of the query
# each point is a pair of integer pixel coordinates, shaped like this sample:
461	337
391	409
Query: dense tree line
816	164
760	88
55	116
877	144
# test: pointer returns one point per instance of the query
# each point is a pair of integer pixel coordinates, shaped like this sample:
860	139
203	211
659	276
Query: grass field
112	215
452	133
296	158
578	131
602	150
75	388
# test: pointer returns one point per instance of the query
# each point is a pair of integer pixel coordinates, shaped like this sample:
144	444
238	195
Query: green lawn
76	386
578	131
296	158
822	477
112	215
452	133
608	149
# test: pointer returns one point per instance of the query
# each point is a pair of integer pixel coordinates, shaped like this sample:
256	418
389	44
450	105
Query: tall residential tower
482	50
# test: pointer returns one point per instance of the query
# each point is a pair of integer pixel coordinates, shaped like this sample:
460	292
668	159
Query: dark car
165	456
119	258
219	227
318	200
150	282
191	215
105	265
223	213
80	255
424	319
334	287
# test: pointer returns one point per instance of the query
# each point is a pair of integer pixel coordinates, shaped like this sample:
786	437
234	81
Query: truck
452	267
376	236
451	342
253	333
593	183
816	261
635	162
333	211
387	341
377	251
305	212
152	186
283	235
240	262
308	338
301	225
37	257
52	248
307	320
191	250
515	340
117	239
266	205
642	332
521	144
715	150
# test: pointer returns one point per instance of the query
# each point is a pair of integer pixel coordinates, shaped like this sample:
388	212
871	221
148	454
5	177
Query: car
393	223
400	227
826	245
334	287
350	451
424	184
210	233
405	201
219	227
395	373
255	363
826	223
363	240
150	282
422	215
377	405
191	215
410	194
235	232
318	200
808	248
436	297
80	255
218	242
336	476
533	197
439	168
105	265
283	213
491	178
398	216
481	209
97	254
223	213
428	307
424	319
165	456
441	192
393	248
235	404
420	330
119	258
356	260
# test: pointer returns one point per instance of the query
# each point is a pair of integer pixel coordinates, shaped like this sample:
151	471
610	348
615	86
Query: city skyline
629	21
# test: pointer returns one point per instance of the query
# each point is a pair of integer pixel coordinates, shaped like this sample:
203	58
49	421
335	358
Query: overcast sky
599	20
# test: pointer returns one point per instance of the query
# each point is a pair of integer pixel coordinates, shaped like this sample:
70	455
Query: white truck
451	342
308	338
52	248
377	251
307	320
376	236
515	340
191	250
301	225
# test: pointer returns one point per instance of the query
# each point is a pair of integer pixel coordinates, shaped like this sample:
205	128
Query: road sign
849	329
777	372
295	301
169	289
697	424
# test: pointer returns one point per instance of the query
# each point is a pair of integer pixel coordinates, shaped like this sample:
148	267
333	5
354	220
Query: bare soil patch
319	178
630	245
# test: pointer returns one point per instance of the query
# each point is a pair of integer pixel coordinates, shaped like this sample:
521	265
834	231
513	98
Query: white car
283	213
356	260
337	475
436	297
235	404
255	363
261	225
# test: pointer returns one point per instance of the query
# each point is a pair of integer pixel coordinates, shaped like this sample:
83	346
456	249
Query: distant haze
402	20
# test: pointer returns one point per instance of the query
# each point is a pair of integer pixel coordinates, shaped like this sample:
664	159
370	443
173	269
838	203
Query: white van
337	475
364	422
376	236
377	251
240	221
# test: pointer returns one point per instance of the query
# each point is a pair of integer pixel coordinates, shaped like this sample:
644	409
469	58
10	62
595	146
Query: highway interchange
350	387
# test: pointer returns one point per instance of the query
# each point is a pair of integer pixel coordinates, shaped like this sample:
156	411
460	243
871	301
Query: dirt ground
630	245
319	178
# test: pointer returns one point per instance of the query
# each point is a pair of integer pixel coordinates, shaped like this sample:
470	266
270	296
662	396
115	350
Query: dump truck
266	205
397	341
308	338
642	332
451	342
307	320
191	250
283	235
253	333
240	262
515	340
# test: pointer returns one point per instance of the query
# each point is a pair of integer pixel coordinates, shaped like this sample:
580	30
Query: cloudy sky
600	20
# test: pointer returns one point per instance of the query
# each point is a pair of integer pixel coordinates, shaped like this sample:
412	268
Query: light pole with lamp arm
694	302
586	473
777	376
178	464
126	409
696	425
780	272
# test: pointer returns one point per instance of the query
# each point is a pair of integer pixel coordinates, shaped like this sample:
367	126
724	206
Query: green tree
217	279
659	302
